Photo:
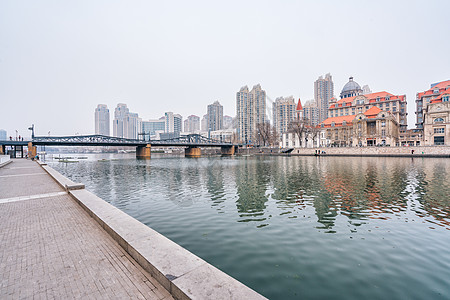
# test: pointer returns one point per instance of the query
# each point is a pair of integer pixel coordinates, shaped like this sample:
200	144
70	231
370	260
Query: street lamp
32	131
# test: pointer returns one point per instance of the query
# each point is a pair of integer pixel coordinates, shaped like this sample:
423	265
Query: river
293	227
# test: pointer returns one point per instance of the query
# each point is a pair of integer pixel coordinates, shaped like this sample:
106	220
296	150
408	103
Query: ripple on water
295	227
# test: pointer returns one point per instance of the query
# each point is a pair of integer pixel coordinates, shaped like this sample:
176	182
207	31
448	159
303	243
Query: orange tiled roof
338	120
441	86
373	111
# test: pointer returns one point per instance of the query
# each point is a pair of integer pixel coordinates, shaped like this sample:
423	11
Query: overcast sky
59	59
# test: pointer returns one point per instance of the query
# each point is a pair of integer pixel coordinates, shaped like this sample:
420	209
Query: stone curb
5	163
183	274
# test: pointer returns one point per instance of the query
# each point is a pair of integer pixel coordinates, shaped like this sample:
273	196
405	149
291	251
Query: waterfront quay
60	241
52	249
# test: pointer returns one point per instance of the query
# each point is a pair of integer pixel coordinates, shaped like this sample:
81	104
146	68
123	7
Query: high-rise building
284	112
311	112
173	123
250	111
125	124
215	116
227	122
177	123
102	120
323	92
204	123
2	135
192	124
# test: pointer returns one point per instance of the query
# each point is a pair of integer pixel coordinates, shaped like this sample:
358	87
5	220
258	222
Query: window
439	140
383	123
438	120
445	98
344	123
388	98
332	124
378	99
439	130
383	132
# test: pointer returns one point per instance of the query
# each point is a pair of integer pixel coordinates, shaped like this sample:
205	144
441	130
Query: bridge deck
52	249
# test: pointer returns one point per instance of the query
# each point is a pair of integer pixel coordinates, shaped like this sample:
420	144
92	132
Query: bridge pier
144	151
227	150
32	150
192	152
2	149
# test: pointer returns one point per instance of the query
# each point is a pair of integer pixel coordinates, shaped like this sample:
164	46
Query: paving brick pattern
51	248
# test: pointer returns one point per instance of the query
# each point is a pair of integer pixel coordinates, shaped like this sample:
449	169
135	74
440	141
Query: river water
293	227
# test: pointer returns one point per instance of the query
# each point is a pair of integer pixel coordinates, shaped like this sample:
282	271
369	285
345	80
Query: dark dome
351	88
351	85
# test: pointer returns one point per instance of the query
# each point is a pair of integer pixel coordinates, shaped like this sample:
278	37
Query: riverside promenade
52	249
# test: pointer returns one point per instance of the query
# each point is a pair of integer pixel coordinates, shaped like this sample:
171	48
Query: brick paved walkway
51	249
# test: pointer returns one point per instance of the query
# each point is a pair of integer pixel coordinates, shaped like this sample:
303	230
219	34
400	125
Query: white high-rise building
204	123
323	92
173	123
311	112
102	120
125	124
284	112
250	111
215	116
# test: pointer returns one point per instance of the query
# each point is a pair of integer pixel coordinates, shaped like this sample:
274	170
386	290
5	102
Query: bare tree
263	133
298	128
314	132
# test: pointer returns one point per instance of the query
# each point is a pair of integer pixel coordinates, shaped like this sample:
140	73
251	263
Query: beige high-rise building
311	112
102	120
284	112
250	111
323	92
215	116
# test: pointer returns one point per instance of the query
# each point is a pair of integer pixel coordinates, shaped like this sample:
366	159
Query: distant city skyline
75	55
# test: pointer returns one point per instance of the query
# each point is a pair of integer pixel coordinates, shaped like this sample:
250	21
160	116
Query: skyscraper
215	116
2	135
192	124
204	123
125	124
284	112
173	123
102	120
250	111
323	92
311	112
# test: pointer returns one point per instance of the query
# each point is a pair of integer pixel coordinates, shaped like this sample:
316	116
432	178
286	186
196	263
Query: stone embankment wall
421	151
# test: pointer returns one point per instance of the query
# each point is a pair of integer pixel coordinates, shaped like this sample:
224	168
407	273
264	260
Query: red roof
372	98
338	120
441	86
299	105
372	112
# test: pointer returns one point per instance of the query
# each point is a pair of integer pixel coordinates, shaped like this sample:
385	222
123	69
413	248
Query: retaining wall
421	151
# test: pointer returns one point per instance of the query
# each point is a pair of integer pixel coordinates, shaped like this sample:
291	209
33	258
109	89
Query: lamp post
32	130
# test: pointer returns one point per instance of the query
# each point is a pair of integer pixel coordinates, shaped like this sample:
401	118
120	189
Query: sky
60	59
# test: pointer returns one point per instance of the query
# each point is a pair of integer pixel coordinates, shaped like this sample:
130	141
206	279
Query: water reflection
356	189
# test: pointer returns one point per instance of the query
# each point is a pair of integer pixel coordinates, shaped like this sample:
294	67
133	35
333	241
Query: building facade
373	127
150	128
353	102
215	116
173	123
102	120
125	124
284	112
192	124
311	112
433	114
250	111
323	92
3	135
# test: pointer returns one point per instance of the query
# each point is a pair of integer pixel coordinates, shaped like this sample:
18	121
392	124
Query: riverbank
175	269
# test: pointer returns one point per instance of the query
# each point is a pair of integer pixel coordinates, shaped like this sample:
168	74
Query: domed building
350	89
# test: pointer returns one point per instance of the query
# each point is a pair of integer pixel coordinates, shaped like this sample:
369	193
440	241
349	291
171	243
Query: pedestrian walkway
52	249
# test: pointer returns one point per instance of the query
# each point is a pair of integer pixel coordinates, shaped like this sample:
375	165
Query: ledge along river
293	227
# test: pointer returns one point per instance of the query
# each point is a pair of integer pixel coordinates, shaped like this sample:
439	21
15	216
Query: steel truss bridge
191	140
